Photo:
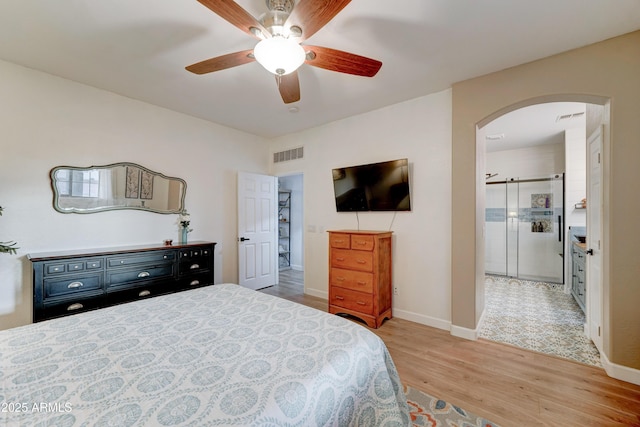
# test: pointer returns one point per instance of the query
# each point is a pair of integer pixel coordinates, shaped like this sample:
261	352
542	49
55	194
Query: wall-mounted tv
380	186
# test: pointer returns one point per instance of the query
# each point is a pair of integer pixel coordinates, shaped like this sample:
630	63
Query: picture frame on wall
132	182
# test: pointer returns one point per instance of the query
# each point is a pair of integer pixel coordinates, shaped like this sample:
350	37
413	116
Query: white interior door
257	226
594	238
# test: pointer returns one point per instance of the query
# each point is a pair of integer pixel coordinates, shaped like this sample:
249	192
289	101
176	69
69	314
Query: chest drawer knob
340	279
194	266
338	297
75	285
361	303
361	283
144	293
339	258
194	282
361	261
143	274
76	306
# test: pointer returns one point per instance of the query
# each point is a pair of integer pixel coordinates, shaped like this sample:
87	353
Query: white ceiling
139	48
534	125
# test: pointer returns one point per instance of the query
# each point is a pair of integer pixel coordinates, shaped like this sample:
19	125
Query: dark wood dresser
360	275
70	282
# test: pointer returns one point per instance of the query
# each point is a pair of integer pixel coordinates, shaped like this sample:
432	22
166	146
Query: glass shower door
495	230
540	234
524	228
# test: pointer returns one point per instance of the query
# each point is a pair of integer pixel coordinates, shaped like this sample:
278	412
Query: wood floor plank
505	384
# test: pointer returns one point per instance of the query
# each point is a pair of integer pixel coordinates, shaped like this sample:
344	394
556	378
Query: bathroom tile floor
536	316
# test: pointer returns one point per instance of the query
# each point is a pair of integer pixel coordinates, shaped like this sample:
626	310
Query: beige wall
606	70
47	121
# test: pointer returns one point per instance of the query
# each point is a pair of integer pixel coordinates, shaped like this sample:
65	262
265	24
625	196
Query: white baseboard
422	319
316	293
466	333
297	267
620	372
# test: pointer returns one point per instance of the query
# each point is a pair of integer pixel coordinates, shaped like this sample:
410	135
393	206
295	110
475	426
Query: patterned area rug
429	411
536	316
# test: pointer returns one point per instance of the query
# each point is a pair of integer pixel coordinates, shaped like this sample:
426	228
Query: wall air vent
569	116
286	155
495	137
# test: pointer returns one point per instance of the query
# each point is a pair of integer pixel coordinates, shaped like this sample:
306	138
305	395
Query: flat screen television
380	186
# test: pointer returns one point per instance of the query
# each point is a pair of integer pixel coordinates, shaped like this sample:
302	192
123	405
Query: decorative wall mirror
116	186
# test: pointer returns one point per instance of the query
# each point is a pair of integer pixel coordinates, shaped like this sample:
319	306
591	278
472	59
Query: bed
220	355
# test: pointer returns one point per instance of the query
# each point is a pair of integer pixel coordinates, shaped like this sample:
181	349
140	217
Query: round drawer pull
194	266
143	274
76	306
194	282
74	285
144	293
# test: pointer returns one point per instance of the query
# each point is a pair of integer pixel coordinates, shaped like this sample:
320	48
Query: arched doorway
530	152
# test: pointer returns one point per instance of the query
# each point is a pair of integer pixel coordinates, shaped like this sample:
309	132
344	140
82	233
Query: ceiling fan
280	31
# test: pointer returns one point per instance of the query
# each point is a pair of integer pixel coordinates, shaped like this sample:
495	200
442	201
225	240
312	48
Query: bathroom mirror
116	186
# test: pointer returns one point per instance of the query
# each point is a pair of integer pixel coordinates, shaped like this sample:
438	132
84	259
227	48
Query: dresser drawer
353	260
194	281
117	296
341	241
138	274
356	280
195	265
151	258
195	253
352	300
63	267
69	306
362	243
65	285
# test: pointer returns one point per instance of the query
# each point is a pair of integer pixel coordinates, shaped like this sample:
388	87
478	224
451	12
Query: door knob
242	239
589	252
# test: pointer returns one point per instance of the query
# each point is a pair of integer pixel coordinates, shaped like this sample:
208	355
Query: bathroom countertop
582	246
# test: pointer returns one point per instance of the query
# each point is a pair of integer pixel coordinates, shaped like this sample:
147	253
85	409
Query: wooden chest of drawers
70	282
360	275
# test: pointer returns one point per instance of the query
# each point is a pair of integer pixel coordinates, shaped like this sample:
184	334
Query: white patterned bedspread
215	356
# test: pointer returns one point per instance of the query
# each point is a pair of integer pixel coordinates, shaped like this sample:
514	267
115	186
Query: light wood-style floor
507	385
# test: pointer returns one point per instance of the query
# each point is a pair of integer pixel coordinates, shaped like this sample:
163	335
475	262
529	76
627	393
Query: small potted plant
7	247
184	219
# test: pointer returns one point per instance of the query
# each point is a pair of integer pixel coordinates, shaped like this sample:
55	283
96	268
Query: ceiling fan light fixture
279	55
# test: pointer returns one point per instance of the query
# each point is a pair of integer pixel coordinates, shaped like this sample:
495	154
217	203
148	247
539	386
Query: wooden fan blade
222	62
232	12
289	87
342	62
311	15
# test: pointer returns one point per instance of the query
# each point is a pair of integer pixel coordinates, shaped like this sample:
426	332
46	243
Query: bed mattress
221	355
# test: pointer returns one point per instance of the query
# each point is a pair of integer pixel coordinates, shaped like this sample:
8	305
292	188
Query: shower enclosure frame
523	216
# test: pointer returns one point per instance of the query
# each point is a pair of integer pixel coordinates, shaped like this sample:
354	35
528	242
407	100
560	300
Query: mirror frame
56	195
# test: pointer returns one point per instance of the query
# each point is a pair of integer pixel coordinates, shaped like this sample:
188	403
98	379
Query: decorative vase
183	235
